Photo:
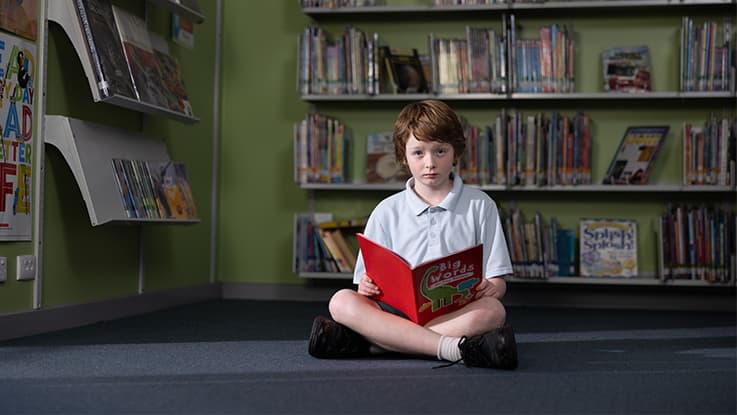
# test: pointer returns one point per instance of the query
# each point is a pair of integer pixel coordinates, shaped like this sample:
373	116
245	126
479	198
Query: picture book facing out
428	290
626	69
381	164
635	157
404	69
608	247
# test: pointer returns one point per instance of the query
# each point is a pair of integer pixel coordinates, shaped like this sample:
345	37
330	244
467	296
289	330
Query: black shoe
496	349
331	340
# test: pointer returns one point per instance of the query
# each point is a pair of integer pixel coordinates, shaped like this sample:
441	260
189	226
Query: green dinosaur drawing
440	296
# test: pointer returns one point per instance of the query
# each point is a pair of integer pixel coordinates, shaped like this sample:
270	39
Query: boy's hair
428	120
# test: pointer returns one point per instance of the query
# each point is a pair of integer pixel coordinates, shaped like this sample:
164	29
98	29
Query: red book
428	290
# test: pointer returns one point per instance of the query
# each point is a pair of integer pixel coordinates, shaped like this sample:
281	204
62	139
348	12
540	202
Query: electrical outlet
3	268
26	267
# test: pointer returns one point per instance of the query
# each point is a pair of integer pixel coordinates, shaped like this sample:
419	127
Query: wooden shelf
88	149
63	13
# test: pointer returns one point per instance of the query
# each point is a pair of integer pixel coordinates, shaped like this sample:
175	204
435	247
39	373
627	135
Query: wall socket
26	267
3	268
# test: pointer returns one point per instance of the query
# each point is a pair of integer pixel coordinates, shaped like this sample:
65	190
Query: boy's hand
367	287
492	287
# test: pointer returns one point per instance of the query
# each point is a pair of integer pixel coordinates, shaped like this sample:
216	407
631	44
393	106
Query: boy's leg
496	347
385	330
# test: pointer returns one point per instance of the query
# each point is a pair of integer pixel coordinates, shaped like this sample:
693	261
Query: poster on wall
17	87
19	17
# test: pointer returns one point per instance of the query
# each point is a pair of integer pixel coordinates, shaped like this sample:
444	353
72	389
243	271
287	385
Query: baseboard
527	294
45	320
309	291
621	297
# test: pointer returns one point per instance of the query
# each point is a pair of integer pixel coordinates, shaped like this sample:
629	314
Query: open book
428	290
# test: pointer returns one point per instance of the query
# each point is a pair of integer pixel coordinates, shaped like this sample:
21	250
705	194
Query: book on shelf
404	69
635	157
626	69
343	223
140	58
427	290
171	74
709	151
105	48
381	163
608	247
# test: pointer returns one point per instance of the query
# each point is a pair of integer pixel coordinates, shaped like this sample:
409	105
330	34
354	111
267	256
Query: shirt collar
418	206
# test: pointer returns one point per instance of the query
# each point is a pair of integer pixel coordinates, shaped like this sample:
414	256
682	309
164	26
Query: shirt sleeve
375	232
496	253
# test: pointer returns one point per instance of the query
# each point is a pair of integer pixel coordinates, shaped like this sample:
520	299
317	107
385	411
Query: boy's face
430	162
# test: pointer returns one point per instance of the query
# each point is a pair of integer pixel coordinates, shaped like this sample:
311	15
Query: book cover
140	58
635	157
381	164
171	76
608	247
404	68
19	17
626	69
104	47
428	290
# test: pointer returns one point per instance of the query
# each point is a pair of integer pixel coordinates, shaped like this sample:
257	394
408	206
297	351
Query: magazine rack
63	13
88	148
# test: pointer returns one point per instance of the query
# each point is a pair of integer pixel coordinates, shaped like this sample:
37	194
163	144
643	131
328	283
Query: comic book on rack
104	47
427	290
140	58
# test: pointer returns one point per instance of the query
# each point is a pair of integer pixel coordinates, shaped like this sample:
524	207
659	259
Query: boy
434	216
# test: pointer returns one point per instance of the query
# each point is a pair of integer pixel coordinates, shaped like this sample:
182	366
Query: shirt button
433	221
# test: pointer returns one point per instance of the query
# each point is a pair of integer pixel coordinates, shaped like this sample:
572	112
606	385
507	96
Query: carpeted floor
250	357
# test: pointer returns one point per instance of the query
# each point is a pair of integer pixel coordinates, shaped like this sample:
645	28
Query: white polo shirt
419	232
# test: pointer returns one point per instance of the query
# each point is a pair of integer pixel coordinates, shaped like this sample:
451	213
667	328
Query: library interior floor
249	356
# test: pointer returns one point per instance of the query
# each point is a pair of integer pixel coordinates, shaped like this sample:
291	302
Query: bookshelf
89	149
63	12
661	101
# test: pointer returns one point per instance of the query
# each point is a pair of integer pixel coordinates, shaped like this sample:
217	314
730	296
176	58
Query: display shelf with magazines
596	26
95	44
91	151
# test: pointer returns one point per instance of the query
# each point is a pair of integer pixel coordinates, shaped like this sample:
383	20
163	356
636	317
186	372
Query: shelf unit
727	99
63	13
88	149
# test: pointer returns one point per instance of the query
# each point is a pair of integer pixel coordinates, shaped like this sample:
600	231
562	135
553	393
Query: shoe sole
312	349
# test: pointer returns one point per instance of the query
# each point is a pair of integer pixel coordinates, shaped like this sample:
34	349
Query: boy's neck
432	196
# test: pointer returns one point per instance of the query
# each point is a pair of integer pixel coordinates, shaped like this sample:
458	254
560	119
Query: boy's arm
492	287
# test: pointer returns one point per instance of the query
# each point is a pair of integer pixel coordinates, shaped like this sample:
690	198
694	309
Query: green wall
258	106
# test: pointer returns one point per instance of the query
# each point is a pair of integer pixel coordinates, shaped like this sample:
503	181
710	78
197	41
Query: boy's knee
341	303
494	314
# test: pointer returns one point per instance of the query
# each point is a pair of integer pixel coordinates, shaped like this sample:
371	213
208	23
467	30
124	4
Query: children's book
608	248
381	163
626	69
636	154
428	290
404	69
141	58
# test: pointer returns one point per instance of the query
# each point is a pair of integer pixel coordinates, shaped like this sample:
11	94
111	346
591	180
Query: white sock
448	349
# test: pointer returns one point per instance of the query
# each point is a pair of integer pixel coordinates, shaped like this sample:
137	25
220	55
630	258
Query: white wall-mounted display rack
63	13
88	149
